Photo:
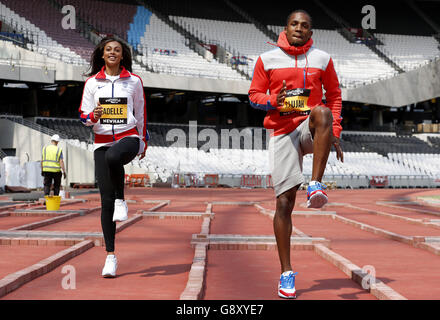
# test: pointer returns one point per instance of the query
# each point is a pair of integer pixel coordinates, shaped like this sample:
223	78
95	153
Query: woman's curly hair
97	62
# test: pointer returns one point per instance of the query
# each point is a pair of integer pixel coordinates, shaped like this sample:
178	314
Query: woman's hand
142	155
97	112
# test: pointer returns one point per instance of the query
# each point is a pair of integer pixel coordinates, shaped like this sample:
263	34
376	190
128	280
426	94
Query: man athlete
287	83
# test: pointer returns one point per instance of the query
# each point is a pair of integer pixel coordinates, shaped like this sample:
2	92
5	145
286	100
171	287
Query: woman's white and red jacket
301	67
127	85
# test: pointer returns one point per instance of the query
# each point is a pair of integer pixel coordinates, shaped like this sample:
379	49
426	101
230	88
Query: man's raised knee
321	116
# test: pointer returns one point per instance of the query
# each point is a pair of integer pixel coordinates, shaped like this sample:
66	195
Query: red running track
155	255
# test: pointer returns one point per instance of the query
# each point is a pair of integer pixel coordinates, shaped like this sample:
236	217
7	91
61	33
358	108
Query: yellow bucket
52	203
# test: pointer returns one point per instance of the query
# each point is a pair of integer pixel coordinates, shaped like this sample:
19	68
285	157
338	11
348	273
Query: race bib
296	102
114	110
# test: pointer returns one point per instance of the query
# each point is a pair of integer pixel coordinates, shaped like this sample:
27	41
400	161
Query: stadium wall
27	74
407	88
19	64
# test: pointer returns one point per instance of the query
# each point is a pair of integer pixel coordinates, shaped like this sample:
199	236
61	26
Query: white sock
286	273
313	182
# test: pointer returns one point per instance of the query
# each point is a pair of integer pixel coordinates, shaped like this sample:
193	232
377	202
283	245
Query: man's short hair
300	11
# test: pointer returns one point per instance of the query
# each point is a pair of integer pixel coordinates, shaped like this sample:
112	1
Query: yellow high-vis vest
51	159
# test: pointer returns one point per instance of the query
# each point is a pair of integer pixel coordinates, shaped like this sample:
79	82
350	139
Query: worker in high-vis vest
52	165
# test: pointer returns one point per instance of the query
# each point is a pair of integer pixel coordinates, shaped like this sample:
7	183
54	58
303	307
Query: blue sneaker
286	287
316	197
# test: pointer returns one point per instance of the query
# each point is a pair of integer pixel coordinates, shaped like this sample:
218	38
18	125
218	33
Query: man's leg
282	225
47	183
56	183
285	159
320	125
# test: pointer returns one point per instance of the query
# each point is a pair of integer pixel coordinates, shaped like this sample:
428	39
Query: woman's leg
116	157
108	197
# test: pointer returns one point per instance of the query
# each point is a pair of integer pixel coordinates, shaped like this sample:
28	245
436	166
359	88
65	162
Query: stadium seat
409	51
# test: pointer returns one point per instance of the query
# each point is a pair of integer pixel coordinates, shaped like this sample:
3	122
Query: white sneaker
111	264
121	210
286	286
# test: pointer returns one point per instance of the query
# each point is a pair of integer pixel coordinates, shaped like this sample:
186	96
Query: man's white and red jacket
126	85
301	67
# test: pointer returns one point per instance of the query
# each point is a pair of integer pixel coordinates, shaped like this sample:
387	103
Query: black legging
109	168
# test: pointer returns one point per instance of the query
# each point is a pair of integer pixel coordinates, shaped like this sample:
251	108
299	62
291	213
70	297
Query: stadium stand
277	15
364	163
96	14
214	10
365	155
40	23
408	51
70	127
170	135
197	136
421	163
435	141
255	162
383	144
163	35
46	35
12	37
161	48
403	20
167	51
229	34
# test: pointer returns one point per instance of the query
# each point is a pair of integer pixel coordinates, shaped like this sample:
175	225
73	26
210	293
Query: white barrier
2	175
15	175
33	179
12	171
